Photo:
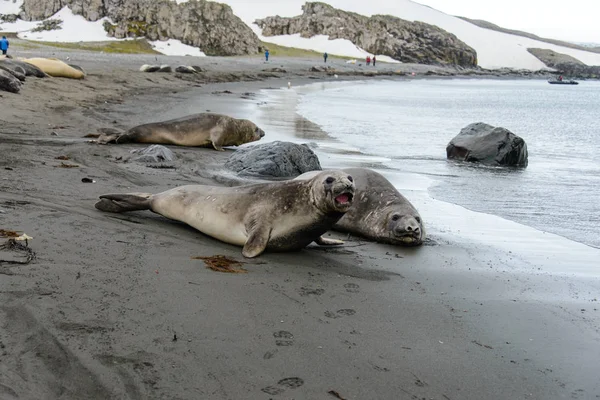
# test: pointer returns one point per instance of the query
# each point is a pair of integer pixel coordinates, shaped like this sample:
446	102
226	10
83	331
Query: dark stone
488	145
153	154
276	160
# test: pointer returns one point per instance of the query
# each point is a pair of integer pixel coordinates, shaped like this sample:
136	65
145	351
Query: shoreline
96	314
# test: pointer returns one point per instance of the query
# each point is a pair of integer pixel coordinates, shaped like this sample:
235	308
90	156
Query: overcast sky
573	20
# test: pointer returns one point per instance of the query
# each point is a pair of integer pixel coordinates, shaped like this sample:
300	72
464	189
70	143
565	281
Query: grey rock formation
8	82
153	154
565	64
211	26
275	160
406	41
489	145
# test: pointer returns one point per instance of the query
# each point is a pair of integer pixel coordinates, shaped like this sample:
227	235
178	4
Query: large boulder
153	154
274	160
406	41
488	145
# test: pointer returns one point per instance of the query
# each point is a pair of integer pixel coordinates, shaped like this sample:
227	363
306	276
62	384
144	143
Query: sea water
403	127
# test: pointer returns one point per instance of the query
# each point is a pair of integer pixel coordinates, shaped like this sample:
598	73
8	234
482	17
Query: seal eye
418	219
350	178
329	180
396	217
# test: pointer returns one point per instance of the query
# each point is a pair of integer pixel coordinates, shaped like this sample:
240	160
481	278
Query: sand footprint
352	287
283	338
345	312
283	384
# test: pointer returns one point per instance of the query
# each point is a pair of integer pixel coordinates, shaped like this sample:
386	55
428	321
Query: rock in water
153	154
480	142
8	82
275	160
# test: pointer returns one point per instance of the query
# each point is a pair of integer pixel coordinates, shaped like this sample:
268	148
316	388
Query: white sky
573	20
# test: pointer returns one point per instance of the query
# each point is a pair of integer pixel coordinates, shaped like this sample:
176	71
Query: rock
30	69
480	142
149	68
414	42
184	69
566	65
208	25
165	68
153	154
8	82
275	160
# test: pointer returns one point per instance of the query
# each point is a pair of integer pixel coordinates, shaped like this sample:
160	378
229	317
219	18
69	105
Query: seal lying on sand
380	212
279	216
199	130
55	67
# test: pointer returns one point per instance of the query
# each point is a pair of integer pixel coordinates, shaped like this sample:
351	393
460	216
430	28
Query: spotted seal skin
197	130
278	216
380	213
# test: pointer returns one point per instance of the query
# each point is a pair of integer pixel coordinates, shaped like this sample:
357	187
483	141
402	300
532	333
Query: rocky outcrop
274	160
488	145
565	64
208	25
414	42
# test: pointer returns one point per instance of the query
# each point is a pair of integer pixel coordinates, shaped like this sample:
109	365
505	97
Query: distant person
4	45
267	55
325	57
560	78
374	59
368	60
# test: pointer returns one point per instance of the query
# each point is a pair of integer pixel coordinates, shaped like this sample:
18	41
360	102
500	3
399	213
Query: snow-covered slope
494	49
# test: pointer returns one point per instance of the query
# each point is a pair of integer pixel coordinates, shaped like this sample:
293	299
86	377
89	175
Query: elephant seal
380	212
200	130
55	67
278	216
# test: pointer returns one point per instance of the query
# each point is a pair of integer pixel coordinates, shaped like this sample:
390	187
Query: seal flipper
321	241
124	202
258	237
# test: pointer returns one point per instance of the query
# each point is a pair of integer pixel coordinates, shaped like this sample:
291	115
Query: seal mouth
344	199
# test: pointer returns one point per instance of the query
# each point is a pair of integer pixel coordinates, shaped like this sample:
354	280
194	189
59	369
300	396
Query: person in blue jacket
4	44
267	55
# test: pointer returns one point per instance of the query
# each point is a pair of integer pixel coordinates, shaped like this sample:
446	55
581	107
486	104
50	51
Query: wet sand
115	306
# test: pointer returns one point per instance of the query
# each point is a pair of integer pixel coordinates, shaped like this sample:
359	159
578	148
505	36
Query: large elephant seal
279	216
380	212
55	67
199	130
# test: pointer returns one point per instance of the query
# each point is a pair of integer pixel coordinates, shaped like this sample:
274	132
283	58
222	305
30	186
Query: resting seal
55	67
380	212
199	130
279	216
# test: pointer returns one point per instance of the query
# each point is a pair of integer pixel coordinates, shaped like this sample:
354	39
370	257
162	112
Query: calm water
410	123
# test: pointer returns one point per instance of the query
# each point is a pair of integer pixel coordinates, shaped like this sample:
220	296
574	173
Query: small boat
557	82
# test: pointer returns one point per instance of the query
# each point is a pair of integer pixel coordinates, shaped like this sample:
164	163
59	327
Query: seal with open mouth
380	212
278	216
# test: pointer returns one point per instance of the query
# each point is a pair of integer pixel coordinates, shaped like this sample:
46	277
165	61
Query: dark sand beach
114	306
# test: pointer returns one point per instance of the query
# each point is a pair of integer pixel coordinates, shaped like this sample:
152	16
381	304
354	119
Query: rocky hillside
208	25
565	64
406	41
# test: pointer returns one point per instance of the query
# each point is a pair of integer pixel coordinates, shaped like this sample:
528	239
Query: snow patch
174	47
10	6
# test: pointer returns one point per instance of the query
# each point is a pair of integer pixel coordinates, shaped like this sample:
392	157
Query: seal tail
118	203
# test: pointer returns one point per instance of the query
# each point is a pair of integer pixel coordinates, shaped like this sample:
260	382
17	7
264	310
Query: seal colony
197	130
279	216
380	212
